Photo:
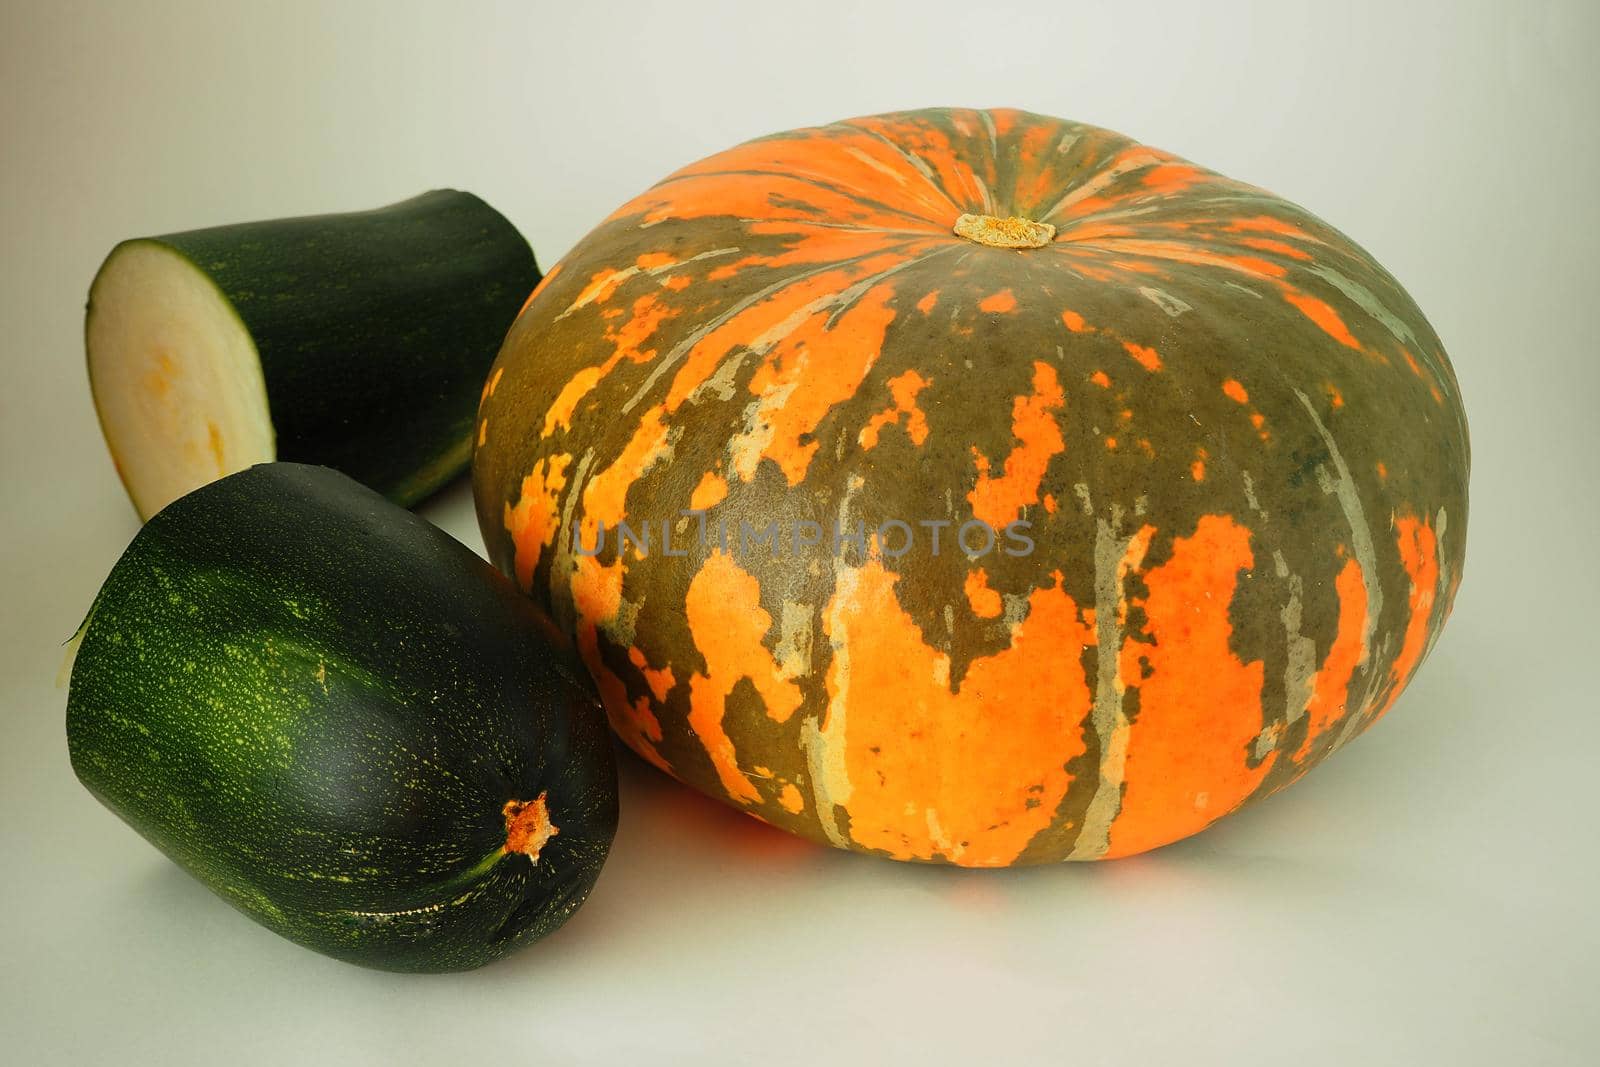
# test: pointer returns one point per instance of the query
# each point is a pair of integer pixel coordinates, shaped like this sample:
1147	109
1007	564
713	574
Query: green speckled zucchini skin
319	705
375	329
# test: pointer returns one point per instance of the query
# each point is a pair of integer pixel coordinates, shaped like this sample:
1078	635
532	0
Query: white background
1426	897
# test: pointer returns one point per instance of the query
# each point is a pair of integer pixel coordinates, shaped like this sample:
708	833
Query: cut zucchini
357	341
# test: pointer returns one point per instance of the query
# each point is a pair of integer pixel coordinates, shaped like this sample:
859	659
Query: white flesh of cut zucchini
176	377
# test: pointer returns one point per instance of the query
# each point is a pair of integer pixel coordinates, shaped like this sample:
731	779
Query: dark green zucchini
357	341
344	722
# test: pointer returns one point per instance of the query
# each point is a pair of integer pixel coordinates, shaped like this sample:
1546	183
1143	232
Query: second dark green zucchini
345	723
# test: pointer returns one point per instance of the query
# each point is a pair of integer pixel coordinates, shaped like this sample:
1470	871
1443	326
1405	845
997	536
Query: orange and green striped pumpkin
1236	444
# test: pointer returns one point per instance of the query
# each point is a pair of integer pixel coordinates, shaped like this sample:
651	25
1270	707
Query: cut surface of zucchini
176	378
358	340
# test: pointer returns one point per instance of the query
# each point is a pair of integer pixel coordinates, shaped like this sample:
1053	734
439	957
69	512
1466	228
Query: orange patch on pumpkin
1330	686
971	774
1267	244
903	390
1268	224
1181	252
803	304
790	800
605	497
728	624
660	681
806	375
999	500
646	316
634	721
1143	355
1199	708
1089	231
730	270
1090	205
1418	553
1327	320
596	589
490	385
985	602
562	408
711	491
654	260
848	160
1000	303
532	522
601	285
780	196
1171	177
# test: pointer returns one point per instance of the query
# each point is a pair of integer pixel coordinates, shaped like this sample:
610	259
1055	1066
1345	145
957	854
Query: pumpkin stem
528	826
1013	232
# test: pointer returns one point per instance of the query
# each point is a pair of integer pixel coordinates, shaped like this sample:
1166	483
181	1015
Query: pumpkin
1198	462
